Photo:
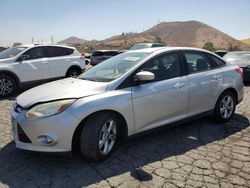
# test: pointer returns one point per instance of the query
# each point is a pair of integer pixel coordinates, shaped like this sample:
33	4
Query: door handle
217	76
179	85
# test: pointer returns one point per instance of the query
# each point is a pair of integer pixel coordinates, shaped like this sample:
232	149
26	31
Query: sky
20	20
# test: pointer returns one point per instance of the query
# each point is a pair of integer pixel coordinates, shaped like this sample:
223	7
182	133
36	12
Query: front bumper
60	128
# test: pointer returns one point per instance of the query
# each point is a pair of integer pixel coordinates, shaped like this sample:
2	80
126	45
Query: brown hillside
190	33
194	34
124	41
246	41
72	40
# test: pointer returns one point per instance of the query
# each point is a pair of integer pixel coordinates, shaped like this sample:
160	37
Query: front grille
21	135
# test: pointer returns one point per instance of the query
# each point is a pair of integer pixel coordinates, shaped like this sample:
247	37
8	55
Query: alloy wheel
6	87
107	137
227	107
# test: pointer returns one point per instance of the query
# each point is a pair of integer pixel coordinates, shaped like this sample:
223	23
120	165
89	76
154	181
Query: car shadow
22	168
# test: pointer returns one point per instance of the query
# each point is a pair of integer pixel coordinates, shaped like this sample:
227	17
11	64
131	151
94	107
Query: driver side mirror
23	57
144	76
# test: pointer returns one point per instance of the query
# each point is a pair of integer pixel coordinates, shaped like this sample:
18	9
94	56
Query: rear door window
197	62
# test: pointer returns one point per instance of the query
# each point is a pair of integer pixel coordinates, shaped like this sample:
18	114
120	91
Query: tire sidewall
100	120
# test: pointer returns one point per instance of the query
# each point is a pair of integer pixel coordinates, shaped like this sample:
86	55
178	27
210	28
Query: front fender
117	100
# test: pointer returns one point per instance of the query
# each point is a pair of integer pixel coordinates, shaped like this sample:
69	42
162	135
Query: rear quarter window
58	51
218	62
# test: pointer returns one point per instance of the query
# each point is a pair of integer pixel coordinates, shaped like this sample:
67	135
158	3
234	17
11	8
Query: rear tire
73	72
8	86
99	136
225	107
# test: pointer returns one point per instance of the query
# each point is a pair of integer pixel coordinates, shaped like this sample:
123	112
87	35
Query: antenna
52	39
32	40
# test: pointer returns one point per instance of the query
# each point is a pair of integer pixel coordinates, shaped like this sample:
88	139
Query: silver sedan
128	94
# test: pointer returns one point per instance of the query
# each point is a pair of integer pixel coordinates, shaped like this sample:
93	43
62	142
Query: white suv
27	64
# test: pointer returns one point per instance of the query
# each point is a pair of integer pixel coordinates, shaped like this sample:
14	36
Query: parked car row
29	64
102	55
128	94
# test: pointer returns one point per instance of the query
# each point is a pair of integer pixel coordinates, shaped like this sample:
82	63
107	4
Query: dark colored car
101	55
221	52
242	59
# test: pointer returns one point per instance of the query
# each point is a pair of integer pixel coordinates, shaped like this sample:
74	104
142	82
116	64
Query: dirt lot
201	153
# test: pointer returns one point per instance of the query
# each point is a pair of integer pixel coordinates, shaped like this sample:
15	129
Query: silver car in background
242	59
128	94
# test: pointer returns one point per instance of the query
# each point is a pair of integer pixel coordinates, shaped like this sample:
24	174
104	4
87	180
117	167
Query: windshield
240	56
11	52
139	46
114	67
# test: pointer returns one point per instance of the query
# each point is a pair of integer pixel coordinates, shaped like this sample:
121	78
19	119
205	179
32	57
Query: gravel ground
201	153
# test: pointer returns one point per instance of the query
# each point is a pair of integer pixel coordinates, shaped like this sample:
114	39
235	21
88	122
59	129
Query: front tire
225	106
8	86
99	136
73	72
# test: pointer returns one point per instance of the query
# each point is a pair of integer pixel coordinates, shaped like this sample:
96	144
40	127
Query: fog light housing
45	140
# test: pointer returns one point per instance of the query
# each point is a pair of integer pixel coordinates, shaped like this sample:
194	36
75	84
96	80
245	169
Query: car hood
241	63
61	89
6	61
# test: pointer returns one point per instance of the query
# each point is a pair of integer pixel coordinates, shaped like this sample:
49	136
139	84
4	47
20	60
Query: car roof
148	43
162	49
239	52
53	45
106	51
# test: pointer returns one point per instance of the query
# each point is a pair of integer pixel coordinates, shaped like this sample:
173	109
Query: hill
246	41
194	34
189	33
72	40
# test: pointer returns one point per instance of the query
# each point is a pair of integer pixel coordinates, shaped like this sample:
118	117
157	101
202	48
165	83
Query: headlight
49	109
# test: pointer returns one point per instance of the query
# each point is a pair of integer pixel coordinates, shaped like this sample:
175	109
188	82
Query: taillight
239	70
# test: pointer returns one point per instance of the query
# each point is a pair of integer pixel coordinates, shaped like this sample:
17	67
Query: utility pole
32	40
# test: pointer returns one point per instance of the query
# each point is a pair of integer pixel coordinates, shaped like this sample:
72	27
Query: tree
158	39
209	46
16	44
233	47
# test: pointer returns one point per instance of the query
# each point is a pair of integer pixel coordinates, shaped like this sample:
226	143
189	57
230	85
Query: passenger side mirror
144	76
23	57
